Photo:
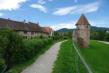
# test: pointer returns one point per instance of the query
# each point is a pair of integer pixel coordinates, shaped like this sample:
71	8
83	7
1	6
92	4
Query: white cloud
10	4
40	7
64	11
63	25
41	1
78	9
1	14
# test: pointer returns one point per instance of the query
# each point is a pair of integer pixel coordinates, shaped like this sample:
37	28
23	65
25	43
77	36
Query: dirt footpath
44	63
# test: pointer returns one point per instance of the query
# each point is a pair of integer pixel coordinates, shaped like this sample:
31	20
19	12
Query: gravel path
104	42
44	63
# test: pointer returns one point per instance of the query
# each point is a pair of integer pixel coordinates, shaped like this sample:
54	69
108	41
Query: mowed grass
64	62
97	56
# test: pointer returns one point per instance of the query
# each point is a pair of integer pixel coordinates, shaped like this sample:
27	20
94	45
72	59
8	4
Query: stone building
83	32
27	30
48	30
74	35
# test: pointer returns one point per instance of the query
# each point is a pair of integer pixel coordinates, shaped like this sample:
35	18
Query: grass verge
20	67
97	56
64	62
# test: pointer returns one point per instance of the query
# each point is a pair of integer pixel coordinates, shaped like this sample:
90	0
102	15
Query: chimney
24	21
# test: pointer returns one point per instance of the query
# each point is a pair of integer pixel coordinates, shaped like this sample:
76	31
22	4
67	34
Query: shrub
12	46
2	64
32	47
16	50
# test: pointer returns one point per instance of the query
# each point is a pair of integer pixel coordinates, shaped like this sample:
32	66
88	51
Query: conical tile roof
82	21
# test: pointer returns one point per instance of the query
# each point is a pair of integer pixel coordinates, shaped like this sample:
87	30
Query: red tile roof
47	29
82	21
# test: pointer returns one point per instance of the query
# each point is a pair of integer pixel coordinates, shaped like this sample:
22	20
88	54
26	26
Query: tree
106	37
11	44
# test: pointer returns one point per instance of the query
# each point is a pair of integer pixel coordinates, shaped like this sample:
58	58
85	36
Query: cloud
1	14
63	25
40	7
10	4
64	11
41	1
78	9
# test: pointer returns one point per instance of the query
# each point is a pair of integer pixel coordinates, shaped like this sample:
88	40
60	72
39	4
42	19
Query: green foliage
68	35
106	38
2	64
19	67
11	43
15	50
62	35
99	35
64	62
57	36
32	47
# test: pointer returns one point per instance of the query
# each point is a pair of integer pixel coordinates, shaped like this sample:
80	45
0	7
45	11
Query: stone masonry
83	32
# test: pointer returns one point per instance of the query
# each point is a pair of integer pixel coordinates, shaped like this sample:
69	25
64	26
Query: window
32	33
25	32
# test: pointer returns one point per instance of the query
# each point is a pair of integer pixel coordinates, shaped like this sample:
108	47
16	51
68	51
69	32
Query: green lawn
97	56
64	62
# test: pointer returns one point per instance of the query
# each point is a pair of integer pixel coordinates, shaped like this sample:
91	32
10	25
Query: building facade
27	30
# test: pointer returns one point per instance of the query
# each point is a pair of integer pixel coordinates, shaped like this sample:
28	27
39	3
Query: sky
56	14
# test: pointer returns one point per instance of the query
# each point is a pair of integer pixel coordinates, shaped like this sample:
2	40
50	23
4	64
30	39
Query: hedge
32	47
15	50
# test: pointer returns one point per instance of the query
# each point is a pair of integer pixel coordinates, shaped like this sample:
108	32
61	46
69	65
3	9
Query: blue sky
56	13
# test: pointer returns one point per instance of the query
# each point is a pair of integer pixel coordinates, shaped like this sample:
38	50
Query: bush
2	64
16	50
32	47
12	45
99	35
106	37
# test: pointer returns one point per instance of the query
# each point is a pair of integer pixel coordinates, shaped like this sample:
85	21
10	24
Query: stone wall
83	36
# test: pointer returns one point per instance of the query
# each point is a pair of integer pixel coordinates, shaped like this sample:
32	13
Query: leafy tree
11	44
99	35
106	37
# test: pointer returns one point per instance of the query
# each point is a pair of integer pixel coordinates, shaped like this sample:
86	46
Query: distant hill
64	30
99	28
92	28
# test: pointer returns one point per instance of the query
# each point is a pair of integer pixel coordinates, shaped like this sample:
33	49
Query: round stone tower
83	32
